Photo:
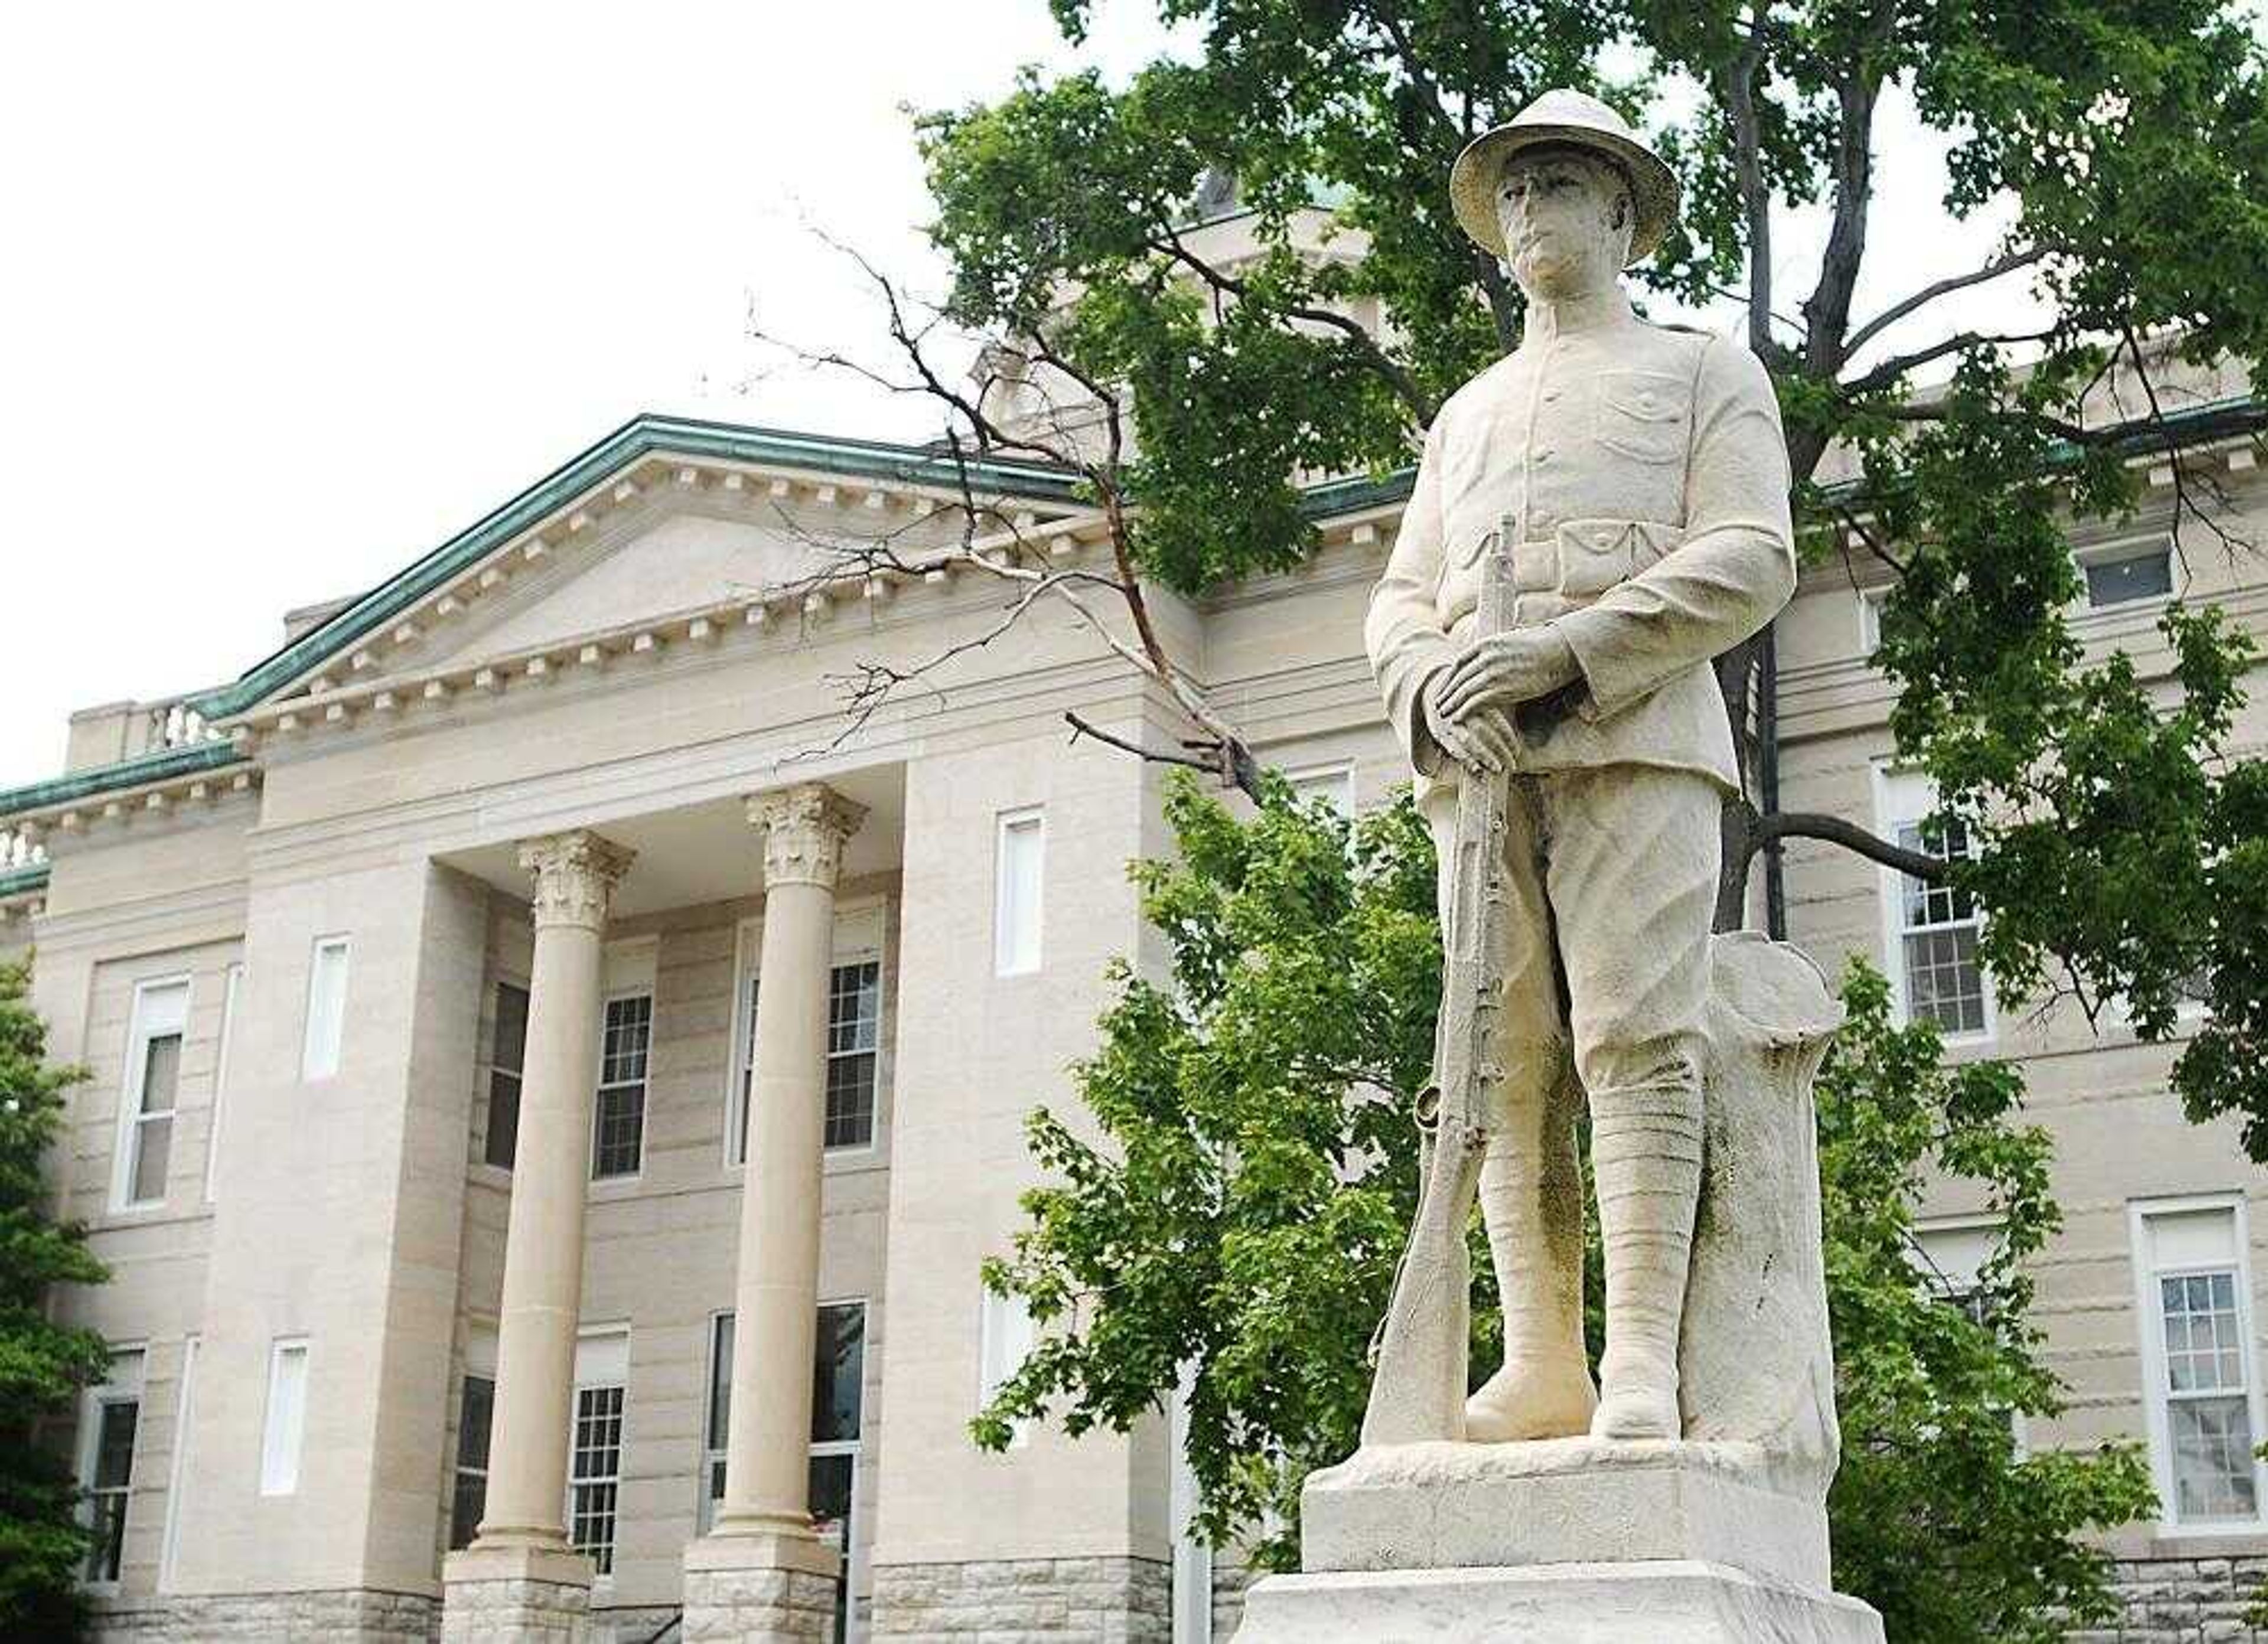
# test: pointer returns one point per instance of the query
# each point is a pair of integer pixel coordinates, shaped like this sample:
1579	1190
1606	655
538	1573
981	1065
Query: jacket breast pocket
1644	416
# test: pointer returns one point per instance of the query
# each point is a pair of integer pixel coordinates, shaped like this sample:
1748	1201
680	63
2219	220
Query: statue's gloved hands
1480	741
1499	672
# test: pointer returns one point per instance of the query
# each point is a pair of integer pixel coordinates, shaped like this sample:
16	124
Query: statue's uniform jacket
1646	476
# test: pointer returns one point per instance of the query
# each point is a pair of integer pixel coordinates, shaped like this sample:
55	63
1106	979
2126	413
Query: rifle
1419	1354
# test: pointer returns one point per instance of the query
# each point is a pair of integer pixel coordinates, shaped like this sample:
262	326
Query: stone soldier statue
1638	477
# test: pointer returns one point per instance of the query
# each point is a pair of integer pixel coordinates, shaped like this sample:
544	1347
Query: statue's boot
1531	1197
1646	1153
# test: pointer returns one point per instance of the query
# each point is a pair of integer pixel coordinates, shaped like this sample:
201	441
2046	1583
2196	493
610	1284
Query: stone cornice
154	785
575	876
805	829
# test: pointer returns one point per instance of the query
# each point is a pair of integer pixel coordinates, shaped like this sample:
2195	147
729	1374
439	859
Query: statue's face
1566	220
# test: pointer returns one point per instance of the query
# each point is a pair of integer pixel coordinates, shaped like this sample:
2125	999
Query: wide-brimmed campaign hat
1564	117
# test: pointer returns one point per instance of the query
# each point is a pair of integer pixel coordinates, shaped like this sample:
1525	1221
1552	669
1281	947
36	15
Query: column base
512	1595
764	1588
1662	1601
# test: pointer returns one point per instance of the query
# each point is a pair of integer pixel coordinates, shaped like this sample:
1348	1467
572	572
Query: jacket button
1646	402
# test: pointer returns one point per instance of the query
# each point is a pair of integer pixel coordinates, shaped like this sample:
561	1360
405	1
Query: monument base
1656	1601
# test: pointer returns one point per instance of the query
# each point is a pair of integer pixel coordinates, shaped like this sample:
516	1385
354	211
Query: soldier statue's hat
1568	119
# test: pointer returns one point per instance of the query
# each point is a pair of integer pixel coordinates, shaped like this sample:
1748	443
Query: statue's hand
1481	741
1501	671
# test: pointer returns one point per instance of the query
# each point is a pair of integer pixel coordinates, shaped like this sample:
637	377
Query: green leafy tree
2116	848
1234	1196
44	1365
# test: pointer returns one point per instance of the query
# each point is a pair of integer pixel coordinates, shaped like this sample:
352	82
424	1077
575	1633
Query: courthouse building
572	801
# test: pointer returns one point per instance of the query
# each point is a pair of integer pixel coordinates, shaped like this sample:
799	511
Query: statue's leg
1632	875
1531	1190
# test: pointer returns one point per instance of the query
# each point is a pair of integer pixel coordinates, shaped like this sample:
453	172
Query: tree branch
1081	728
1898	310
1835	831
1756	193
1897	365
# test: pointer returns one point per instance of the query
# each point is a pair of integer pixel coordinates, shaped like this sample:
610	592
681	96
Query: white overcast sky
294	292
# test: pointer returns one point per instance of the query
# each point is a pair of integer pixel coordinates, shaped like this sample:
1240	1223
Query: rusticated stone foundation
338	1616
2182	1601
758	1606
1096	1601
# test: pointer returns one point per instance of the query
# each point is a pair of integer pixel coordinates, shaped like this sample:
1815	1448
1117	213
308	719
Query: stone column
519	1579
763	1573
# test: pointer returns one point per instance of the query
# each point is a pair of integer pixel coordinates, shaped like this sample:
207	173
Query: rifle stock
1419	1354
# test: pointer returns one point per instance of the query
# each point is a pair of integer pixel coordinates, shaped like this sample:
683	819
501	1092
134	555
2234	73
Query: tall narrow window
475	1410
508	1056
222	1057
151	1092
1932	927
287	1416
1005	1334
2198	1346
854	1028
594	1474
618	1135
839	1376
326	1009
113	1415
1020	881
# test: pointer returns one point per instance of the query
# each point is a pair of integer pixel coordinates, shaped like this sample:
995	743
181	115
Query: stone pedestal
1566	1541
1672	1601
760	1590
510	1594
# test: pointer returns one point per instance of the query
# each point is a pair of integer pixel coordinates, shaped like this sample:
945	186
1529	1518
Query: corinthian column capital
575	876
805	828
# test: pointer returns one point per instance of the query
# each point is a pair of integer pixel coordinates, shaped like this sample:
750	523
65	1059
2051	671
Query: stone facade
1025	1601
2185	1600
517	1612
349	1617
761	1606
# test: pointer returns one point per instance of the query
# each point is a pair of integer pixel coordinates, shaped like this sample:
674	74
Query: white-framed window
151	1094
1950	1257
232	989
2128	572
177	1472
1332	783
1005	1336
507	1061
1020	882
285	1429
1930	930
594	1470
468	1493
2201	1368
618	1127
326	1009
838	1381
854	1033
1871	601
110	1418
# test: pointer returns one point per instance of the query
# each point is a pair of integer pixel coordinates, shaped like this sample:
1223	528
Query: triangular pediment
664	518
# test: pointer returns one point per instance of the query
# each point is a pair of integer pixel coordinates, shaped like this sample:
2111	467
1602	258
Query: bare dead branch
1835	830
1081	728
1928	294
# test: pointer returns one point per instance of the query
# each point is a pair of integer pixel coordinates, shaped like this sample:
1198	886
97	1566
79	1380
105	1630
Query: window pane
1944	982
113	1443
2212	1458
720	1382
747	1075
1019	874
502	1143
153	1146
475	1412
2148	575
832	1481
838	1373
287	1412
618	1132
597	1469
327	1003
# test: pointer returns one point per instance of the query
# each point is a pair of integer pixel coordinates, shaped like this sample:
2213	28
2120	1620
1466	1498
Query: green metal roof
142	768
640	436
16	881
